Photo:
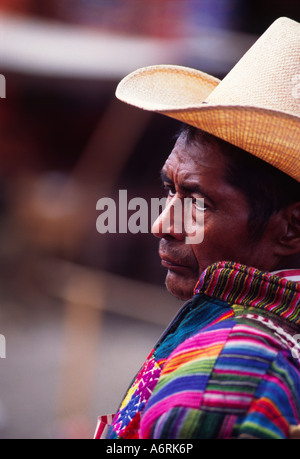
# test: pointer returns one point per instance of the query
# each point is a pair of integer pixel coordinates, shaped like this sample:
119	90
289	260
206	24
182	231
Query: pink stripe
227	426
227	401
229	285
287	273
239	373
224	394
103	422
213	283
201	341
256	332
188	399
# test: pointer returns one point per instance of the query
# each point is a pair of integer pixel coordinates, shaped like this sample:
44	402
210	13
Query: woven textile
227	367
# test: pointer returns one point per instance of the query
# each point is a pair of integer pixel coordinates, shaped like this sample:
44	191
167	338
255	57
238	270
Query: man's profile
228	366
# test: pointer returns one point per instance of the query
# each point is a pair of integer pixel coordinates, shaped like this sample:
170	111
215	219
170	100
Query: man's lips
177	258
172	264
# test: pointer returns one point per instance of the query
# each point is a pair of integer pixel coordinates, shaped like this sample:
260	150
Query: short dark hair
266	188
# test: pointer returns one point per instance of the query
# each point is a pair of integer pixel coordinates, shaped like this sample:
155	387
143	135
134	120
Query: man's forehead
189	158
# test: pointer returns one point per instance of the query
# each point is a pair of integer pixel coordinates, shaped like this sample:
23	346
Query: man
228	366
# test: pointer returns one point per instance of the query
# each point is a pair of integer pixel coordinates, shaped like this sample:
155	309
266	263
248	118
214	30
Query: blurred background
80	311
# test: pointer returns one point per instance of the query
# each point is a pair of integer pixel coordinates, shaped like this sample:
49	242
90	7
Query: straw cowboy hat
255	107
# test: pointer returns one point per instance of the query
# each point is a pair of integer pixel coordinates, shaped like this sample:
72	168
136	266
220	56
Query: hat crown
256	107
268	75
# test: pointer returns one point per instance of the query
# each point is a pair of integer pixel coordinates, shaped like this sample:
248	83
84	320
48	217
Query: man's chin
179	286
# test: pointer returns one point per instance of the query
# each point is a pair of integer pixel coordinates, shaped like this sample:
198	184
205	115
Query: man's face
198	171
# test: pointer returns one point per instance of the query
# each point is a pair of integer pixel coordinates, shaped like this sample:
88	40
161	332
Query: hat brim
179	93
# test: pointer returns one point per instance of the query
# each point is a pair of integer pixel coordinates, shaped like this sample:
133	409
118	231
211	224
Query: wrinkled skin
197	171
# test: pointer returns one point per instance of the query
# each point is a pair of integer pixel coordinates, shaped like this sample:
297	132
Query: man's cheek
196	254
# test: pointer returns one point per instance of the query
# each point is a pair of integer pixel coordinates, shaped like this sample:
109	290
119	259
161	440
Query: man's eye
170	189
199	204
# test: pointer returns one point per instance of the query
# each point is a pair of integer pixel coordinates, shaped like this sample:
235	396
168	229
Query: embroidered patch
137	397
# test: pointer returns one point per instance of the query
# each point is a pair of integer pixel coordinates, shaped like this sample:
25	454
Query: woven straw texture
255	107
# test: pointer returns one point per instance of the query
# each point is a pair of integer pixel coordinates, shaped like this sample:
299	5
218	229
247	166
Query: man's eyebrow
187	187
164	177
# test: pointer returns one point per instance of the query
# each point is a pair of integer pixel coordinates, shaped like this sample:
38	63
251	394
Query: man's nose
170	221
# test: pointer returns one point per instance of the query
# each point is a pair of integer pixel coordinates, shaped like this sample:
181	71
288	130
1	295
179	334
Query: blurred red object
20	6
158	18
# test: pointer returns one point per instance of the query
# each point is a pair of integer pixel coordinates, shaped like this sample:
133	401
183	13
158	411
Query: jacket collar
249	287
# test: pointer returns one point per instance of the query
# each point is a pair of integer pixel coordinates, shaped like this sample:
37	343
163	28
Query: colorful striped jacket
228	366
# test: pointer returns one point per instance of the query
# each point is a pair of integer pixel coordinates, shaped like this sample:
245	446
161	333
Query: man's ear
289	234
